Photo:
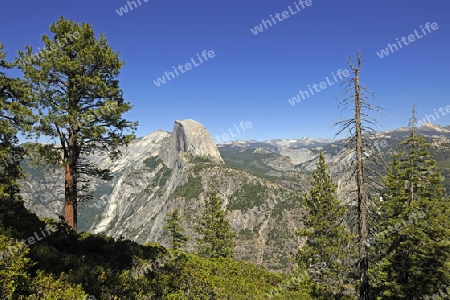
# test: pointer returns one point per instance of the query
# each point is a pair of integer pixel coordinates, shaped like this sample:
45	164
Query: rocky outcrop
298	156
188	136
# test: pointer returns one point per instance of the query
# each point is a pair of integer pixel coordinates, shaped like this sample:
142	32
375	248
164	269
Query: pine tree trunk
362	209
71	184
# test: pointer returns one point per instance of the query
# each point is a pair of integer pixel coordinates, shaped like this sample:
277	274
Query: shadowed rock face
191	137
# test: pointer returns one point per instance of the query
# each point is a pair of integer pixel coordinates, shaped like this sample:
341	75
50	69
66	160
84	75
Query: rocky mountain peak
191	137
430	126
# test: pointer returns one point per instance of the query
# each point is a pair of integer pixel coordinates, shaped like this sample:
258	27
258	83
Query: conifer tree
15	116
176	231
328	252
216	236
413	240
75	81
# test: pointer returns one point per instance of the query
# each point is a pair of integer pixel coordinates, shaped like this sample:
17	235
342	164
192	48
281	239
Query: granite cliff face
188	136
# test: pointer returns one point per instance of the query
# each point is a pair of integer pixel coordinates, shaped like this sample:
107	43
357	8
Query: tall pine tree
413	240
74	80
216	236
328	253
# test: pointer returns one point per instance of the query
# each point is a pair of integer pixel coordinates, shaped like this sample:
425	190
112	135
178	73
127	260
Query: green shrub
48	286
14	265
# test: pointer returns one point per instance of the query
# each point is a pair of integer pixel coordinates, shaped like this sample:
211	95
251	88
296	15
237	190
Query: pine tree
15	116
413	240
328	252
216	237
176	231
74	80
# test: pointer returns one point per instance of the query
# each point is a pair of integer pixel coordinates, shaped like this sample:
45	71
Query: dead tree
360	129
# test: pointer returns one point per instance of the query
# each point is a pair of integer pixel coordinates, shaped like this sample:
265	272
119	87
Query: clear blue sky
251	77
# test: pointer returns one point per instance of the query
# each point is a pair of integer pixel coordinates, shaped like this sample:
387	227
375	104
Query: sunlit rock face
191	137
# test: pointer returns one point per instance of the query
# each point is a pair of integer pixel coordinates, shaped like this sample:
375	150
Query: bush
14	265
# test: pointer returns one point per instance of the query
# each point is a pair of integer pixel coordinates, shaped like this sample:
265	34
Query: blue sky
251	77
